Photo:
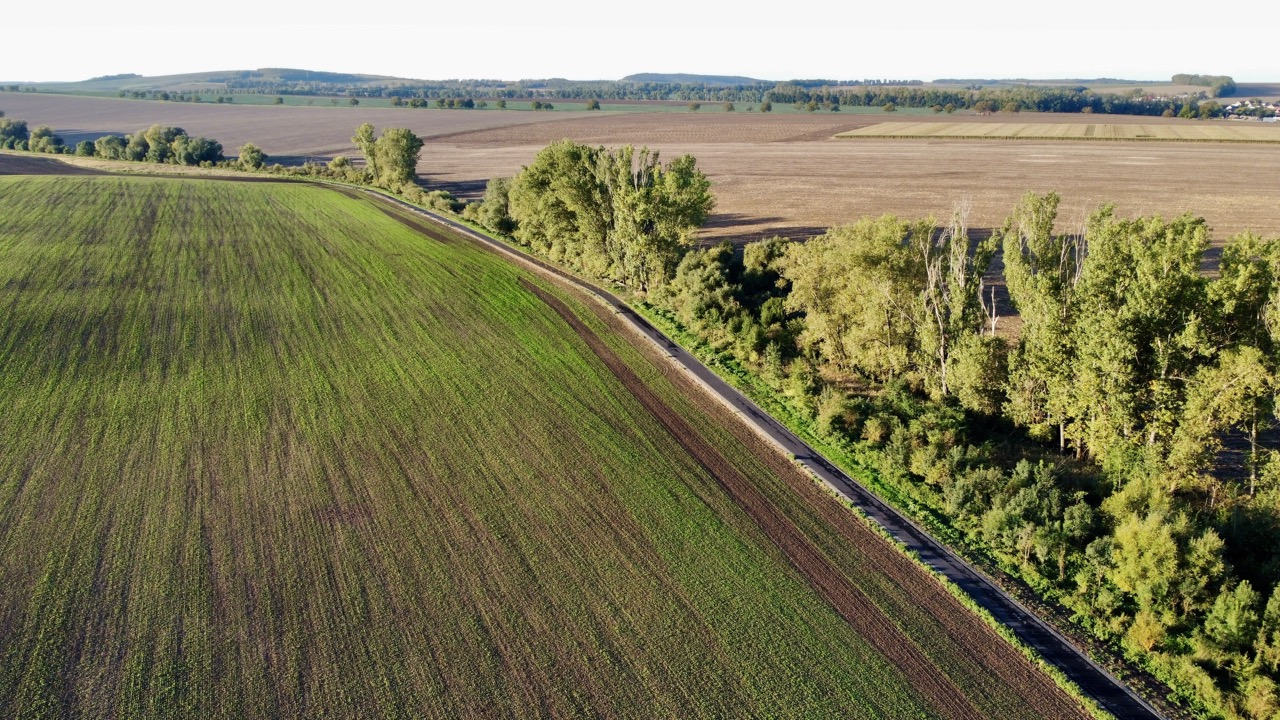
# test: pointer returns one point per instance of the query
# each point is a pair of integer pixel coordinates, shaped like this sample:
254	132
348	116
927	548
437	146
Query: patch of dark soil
36	165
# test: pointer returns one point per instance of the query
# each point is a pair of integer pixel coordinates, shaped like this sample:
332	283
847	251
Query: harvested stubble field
772	173
269	451
1248	132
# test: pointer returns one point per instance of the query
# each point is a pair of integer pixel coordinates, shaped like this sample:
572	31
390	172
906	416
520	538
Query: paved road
1113	695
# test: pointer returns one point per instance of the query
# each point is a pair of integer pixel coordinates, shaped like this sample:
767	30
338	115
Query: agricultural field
1249	132
273	450
772	173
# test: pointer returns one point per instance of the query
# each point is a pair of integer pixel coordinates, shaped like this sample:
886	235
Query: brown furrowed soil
771	173
824	571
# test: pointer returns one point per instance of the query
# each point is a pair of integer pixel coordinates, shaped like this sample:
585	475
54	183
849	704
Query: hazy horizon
578	40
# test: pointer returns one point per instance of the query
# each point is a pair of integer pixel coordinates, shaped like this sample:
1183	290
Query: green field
266	451
1217	131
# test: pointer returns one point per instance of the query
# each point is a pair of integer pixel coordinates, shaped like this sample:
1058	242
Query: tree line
612	213
805	94
390	158
1086	456
1131	373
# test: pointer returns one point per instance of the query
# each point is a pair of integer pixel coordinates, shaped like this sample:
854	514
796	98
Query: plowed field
772	174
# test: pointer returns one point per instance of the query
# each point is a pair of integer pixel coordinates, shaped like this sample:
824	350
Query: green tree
110	147
766	106
859	287
159	142
695	107
1140	331
593	104
13	132
251	156
43	140
951	298
397	151
365	140
611	213
1232	624
494	210
1041	271
195	150
1236	393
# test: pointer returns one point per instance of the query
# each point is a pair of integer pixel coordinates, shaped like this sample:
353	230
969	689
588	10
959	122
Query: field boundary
1053	647
1236	133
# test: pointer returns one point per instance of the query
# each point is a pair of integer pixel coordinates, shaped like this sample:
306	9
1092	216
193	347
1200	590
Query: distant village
1252	110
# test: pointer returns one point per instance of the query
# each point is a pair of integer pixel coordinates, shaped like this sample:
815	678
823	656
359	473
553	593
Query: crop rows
266	451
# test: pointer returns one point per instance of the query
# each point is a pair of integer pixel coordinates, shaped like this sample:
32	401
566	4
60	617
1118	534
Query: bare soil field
1233	131
772	174
281	131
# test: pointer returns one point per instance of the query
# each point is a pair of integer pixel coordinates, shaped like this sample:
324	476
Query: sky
589	40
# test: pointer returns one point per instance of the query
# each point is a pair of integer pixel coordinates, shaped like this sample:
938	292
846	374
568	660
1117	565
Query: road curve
1109	692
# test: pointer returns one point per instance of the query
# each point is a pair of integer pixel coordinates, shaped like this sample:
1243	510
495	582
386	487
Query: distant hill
219	79
687	79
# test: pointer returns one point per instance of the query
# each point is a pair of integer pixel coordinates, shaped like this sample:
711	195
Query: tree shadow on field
76	135
740	229
1211	261
464	190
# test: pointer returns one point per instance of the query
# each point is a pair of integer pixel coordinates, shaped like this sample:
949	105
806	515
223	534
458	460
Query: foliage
615	213
13	133
43	140
251	156
392	158
1130	358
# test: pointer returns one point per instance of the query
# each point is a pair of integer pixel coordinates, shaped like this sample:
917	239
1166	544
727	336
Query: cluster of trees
166	96
156	144
618	214
1131	372
1219	85
391	159
14	135
441	103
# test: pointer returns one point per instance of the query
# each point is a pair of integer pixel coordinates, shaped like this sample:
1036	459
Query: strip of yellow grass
1199	132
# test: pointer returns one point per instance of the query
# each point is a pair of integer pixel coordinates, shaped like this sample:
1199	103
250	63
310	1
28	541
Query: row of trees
1219	85
14	135
1131	372
803	93
391	159
156	144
